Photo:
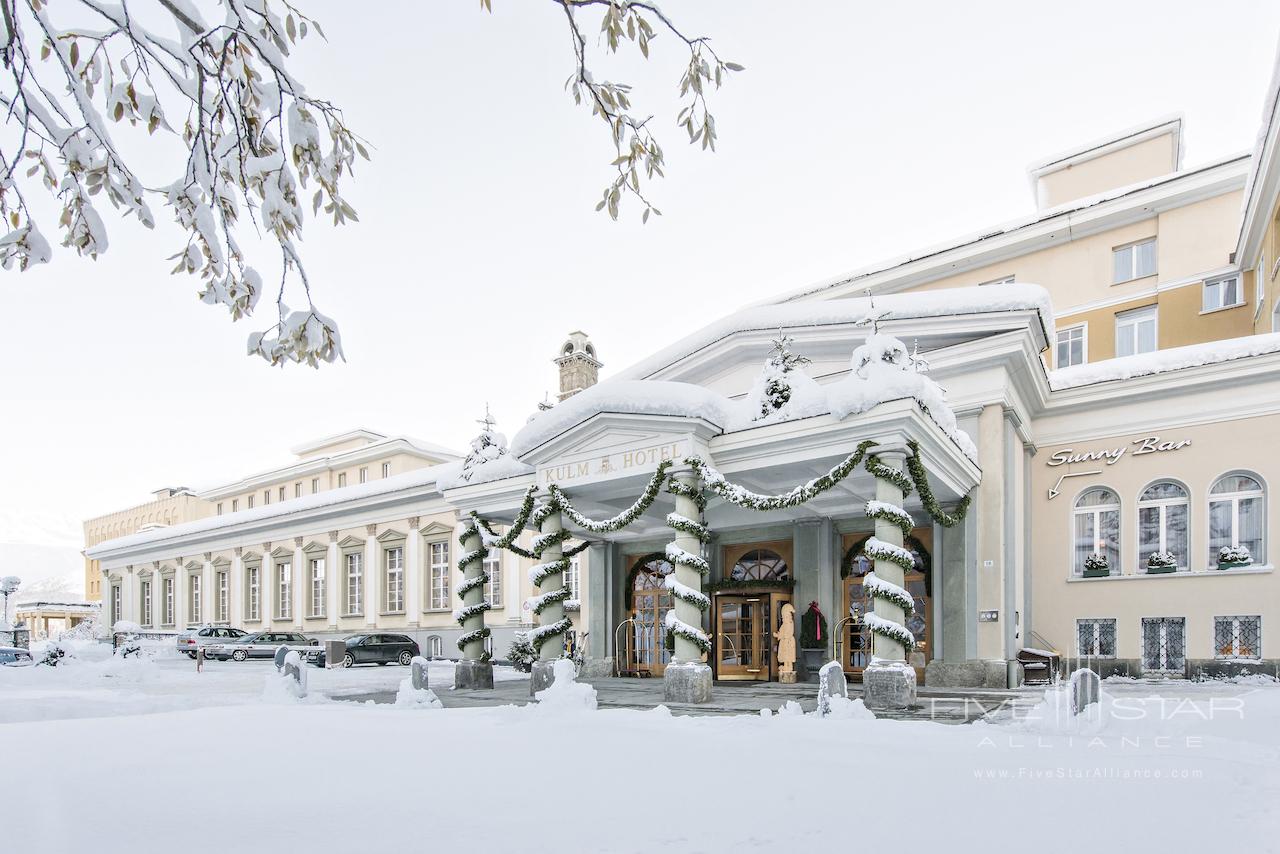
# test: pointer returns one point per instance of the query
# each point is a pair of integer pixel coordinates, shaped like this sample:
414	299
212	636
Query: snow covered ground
152	757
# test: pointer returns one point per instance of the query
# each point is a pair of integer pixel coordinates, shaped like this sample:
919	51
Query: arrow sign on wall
1057	487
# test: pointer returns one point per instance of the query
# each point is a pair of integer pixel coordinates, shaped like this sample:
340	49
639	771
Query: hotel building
1113	357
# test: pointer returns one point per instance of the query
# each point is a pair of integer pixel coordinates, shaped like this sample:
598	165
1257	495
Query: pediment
350	542
281	551
435	529
221	562
390	535
313	547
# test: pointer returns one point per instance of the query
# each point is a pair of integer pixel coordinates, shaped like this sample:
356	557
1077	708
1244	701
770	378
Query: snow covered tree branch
251	136
638	152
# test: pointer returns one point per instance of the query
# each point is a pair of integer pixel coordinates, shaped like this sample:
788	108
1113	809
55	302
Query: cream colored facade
171	506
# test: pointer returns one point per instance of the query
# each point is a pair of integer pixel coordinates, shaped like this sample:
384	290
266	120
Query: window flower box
1234	557
1096	566
1159	563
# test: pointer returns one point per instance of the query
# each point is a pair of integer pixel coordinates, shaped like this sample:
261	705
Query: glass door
744	638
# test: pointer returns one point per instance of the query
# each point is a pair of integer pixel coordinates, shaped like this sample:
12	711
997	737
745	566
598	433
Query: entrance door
1164	645
744	638
856	639
642	638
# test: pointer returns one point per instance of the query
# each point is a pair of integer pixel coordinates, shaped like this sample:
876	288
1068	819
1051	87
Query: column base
473	674
595	668
889	685
687	682
541	676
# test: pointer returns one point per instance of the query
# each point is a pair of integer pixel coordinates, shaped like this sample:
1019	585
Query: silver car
206	636
259	645
15	656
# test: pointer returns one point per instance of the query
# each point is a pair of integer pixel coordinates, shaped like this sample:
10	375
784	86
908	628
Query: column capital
414	521
208	556
266	549
370	530
297	542
333	536
238	551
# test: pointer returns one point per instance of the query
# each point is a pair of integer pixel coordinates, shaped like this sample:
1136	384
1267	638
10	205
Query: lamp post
8	586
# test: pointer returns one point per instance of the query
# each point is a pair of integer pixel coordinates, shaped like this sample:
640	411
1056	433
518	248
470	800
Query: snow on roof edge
1164	361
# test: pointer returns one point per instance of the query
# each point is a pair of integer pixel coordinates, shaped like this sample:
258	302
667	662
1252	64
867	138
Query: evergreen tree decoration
522	655
813	628
488	445
777	385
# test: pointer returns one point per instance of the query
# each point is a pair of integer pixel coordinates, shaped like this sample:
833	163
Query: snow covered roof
1162	361
426	476
917	304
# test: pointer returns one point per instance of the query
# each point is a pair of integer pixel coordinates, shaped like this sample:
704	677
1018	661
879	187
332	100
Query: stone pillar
180	615
471	671
372	577
157	596
811	576
301	583
266	586
235	589
553	645
687	679
889	682
208	595
596	595
333	579
413	574
128	598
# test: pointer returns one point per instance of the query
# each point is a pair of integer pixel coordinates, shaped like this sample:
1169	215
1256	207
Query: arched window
1162	522
760	565
435	647
1236	515
1097	529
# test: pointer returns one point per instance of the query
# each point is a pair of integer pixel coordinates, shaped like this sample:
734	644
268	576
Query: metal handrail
733	646
840	637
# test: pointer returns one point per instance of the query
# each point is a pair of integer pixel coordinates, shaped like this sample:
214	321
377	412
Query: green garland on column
921	480
876	549
461	615
682	524
540	572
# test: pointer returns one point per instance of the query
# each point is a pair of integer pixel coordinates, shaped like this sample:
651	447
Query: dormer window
1135	261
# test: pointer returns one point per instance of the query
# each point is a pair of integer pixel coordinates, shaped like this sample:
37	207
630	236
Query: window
284	590
440	576
364	474
280	494
235	504
1259	284
1096	525
315	485
266	497
760	565
315	568
1006	280
571	579
250	501
493	587
1071	346
253	593
1236	516
386	469
168	601
223	585
116	601
297	489
146	603
394	561
435	647
355	583
1222	293
1164	644
1136	331
1134	261
1237	637
342	479
1096	638
1162	522
193	599
219	508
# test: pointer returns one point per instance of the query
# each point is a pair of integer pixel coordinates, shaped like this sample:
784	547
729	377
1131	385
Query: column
372	577
332	581
180	617
551	622
471	672
208	596
128	599
235	589
157	596
687	679
413	574
301	582
889	682
596	594
266	587
813	571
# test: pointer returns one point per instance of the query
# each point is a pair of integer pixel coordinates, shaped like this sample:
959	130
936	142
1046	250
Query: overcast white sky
858	131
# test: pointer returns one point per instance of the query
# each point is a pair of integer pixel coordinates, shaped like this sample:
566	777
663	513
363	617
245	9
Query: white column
886	570
301	582
235	590
180	616
474	650
413	573
552	647
208	596
266	587
129	596
332	581
372	577
686	650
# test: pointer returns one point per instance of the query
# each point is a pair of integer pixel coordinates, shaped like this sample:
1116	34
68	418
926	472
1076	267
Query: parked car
259	645
372	649
15	656
192	639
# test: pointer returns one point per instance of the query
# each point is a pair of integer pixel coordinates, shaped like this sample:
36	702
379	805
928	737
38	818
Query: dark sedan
372	649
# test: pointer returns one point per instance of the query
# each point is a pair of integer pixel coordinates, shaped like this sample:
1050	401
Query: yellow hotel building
1114	357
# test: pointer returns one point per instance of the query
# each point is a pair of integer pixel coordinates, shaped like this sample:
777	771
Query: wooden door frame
776	597
848	541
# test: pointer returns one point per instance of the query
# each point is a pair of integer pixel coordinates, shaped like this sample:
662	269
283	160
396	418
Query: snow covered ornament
489	445
783	391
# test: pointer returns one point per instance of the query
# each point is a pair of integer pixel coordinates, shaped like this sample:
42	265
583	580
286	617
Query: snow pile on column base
408	697
842	708
566	693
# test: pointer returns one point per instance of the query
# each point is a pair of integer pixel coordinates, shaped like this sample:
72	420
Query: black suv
378	648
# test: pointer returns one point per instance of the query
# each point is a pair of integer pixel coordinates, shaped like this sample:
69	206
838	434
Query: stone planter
1096	573
1160	570
813	659
1234	565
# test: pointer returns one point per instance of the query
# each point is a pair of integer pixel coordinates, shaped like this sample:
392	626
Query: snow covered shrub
1096	564
52	655
522	654
1162	561
1230	556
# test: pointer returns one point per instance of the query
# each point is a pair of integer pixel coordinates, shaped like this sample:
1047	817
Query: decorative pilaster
301	589
474	670
372	576
687	679
334	578
548	603
130	596
267	587
413	573
235	588
208	595
890	683
180	615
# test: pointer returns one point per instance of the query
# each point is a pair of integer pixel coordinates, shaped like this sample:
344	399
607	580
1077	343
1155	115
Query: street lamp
8	586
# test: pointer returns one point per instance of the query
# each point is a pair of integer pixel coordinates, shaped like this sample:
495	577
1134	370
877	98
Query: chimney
579	367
